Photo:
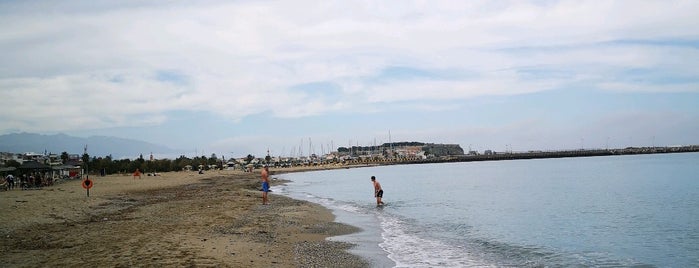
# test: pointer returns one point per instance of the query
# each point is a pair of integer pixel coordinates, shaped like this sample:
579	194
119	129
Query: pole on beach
87	183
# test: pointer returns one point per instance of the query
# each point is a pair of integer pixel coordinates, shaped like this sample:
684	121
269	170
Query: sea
607	211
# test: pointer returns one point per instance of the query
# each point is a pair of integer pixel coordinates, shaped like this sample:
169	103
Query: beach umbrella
33	165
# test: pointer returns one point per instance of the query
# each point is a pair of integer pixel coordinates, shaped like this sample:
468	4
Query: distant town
71	165
51	166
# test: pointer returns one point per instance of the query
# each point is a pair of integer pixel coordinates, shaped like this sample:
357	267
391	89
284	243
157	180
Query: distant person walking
10	181
265	184
378	192
137	173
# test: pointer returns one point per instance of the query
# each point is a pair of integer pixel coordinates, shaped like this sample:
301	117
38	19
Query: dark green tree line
111	166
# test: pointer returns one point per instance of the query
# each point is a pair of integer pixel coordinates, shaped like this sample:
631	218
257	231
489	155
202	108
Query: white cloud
644	87
99	66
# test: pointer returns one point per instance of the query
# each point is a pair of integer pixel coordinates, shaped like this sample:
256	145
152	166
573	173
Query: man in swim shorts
265	184
378	192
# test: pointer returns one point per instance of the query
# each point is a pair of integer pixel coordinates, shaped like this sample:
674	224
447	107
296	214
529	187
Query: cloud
109	65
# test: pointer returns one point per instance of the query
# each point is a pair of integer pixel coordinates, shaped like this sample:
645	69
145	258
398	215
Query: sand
177	219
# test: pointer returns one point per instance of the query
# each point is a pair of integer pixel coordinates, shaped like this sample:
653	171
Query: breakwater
559	154
498	156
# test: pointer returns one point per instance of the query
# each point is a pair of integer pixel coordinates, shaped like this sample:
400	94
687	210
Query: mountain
96	145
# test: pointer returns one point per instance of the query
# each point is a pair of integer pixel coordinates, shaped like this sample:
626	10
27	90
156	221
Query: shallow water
598	211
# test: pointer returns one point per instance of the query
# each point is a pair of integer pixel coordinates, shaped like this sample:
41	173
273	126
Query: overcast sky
243	77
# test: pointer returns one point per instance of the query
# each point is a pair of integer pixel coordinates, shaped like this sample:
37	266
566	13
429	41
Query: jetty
497	156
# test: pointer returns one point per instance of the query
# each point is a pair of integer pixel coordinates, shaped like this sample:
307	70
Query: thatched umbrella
33	166
6	170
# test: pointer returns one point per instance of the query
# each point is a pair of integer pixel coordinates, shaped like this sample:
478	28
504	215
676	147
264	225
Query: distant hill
96	145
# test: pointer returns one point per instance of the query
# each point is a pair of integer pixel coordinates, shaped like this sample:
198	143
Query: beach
214	219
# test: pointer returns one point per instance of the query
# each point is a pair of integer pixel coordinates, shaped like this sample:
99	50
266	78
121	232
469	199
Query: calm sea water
616	211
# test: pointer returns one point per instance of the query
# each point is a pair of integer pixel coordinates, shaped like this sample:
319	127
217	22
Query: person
23	182
10	181
378	192
137	174
265	184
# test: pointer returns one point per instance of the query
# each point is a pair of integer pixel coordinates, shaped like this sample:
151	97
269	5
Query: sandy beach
177	219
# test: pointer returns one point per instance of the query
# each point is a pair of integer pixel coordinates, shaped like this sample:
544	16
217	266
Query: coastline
367	240
177	219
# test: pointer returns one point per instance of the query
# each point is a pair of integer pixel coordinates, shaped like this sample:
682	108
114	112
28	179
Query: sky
292	77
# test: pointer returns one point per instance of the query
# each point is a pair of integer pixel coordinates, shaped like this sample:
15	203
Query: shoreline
366	241
177	219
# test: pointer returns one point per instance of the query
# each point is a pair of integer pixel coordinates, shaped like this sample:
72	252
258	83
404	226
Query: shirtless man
378	192
265	184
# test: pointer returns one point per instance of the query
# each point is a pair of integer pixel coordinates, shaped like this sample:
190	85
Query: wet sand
177	219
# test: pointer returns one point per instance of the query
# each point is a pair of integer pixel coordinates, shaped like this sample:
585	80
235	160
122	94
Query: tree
181	162
213	160
107	164
95	163
64	157
86	161
138	163
123	165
